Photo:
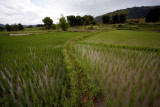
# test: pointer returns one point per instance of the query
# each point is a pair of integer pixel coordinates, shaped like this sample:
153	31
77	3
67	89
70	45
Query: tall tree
48	22
106	19
20	26
40	25
8	27
115	18
15	27
122	17
63	23
79	20
87	19
94	22
1	28
153	15
72	20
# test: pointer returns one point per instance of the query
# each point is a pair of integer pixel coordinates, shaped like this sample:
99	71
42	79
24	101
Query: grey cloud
32	12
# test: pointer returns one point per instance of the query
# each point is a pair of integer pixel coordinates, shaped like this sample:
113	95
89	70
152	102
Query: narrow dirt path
82	93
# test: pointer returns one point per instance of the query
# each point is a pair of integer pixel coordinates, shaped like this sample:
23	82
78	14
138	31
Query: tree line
71	21
48	23
14	27
153	15
79	21
115	18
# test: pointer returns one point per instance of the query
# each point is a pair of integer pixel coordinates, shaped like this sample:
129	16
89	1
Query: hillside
133	13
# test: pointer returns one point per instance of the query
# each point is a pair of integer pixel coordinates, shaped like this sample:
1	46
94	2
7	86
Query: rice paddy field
80	69
32	70
125	66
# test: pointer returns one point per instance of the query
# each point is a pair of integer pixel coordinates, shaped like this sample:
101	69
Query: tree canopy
72	20
115	18
79	21
153	15
87	19
106	19
48	22
14	27
40	25
63	23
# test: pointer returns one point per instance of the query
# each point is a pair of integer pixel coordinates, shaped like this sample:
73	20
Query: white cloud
33	11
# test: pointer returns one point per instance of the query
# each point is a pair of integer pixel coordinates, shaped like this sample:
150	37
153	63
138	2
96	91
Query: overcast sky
33	11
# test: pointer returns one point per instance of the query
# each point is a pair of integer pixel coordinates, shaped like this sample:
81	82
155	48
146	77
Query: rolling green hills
133	13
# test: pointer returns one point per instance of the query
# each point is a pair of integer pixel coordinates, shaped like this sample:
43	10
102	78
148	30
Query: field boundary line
81	87
122	46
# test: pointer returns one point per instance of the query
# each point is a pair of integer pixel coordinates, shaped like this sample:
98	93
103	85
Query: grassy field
106	67
32	70
124	64
30	31
127	38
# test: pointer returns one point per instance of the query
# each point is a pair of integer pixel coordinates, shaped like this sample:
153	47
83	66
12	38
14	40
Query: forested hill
133	13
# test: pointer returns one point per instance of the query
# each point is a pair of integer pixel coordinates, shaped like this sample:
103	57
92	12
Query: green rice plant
24	58
132	98
128	84
110	101
116	90
132	56
152	98
109	86
142	96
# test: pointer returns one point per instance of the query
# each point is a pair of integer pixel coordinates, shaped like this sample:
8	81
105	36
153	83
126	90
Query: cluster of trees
71	20
48	23
14	27
79	21
1	28
153	15
63	23
40	25
114	18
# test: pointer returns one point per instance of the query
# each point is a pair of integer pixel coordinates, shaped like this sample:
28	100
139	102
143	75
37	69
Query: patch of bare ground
100	104
81	30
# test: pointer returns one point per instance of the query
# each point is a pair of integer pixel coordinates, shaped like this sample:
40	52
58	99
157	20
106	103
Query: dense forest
133	13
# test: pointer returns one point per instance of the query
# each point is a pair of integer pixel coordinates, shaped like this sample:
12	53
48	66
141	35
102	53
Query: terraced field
32	70
113	68
125	65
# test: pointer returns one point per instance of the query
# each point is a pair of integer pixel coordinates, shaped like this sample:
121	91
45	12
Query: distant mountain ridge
1	25
133	13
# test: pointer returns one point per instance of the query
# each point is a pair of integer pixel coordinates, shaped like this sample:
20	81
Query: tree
115	18
78	20
53	26
87	19
72	20
48	22
153	15
106	19
30	26
20	26
8	27
1	28
122	17
40	25
75	20
14	27
63	23
94	22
